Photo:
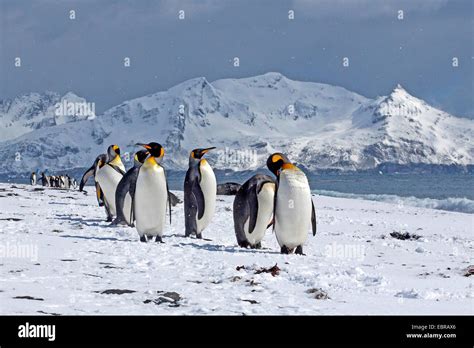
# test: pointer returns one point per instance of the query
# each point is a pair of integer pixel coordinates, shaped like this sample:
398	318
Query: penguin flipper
190	211
174	199
89	172
99	194
271	222
107	211
199	198
240	213
123	188
253	209
277	182
168	193
313	217
117	169
131	190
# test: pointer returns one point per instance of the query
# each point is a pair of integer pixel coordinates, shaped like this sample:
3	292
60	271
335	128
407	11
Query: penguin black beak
208	149
146	146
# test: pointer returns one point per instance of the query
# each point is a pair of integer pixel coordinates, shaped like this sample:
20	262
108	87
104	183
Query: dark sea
453	192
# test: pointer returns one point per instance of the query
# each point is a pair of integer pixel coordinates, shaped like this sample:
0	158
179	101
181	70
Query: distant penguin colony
57	181
140	197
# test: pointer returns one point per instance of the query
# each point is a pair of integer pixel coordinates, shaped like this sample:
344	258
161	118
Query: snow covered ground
58	256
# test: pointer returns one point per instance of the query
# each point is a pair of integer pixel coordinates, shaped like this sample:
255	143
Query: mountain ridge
320	126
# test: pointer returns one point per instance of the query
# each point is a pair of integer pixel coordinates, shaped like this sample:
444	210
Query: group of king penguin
140	197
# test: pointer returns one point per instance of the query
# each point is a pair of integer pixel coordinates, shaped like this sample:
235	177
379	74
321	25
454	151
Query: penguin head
100	161
198	153
113	151
276	161
140	157
154	149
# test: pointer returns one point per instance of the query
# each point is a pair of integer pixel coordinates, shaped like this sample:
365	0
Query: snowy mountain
33	111
318	125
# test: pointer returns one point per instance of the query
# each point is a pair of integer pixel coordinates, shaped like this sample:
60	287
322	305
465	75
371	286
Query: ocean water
452	192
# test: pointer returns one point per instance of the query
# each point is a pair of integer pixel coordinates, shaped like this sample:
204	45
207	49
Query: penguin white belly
293	209
108	179
127	208
150	201
208	185
265	211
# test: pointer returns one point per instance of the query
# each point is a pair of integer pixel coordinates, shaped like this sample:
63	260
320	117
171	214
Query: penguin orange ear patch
289	166
276	158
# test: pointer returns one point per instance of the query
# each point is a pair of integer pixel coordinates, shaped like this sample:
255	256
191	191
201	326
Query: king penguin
200	189
92	172
33	179
44	179
253	210
108	177
151	195
126	190
293	205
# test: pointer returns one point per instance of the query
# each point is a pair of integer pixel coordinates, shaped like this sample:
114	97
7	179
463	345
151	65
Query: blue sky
85	55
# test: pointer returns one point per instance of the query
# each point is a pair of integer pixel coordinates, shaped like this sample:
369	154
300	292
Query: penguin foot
109	219
199	236
244	244
285	250
158	239
117	221
299	250
258	245
143	239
